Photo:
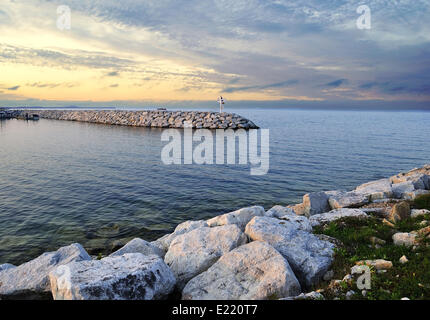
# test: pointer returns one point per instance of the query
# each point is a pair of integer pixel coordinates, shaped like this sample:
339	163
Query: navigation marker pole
221	103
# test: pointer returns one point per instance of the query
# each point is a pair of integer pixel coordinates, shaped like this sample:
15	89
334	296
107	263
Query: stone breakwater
151	118
250	253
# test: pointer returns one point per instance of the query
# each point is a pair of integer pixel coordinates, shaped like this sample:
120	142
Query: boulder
315	203
164	242
6	266
288	215
309	257
400	211
279	212
378	264
194	252
404	239
132	276
138	245
379	189
30	280
381	212
419	212
420	181
314	295
336	242
423	170
239	217
414	194
255	271
343	199
400	190
298	209
334	215
424	232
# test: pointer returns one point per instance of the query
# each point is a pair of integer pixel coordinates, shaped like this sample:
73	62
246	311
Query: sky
187	53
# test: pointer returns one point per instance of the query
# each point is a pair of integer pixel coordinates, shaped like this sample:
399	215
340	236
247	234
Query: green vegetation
422	202
411	279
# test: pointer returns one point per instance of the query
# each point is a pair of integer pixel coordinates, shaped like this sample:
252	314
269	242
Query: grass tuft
410	280
422	202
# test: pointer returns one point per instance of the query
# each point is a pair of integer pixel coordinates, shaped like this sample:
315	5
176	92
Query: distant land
367	105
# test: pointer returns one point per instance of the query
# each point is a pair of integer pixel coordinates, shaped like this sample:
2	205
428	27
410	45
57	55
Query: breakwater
151	118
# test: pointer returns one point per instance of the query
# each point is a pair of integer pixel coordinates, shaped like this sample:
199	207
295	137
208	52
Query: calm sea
64	182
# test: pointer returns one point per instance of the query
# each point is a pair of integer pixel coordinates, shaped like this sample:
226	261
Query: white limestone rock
420	181
279	212
288	215
138	245
419	212
344	199
336	214
6	266
194	252
298	209
309	257
164	242
379	189
255	271
132	276
402	188
314	295
315	203
405	239
239	217
414	194
31	279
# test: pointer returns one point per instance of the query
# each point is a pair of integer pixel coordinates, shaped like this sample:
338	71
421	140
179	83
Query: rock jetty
151	118
250	253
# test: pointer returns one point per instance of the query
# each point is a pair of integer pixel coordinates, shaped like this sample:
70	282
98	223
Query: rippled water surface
99	185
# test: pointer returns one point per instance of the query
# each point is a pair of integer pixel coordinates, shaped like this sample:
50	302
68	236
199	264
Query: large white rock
344	199
239	217
6	266
288	215
314	295
420	181
315	203
164	242
194	252
336	214
414	194
405	239
402	188
255	271
31	279
138	245
419	212
132	276
279	212
309	257
379	189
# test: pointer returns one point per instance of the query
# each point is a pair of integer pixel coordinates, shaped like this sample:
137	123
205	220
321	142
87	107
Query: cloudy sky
280	52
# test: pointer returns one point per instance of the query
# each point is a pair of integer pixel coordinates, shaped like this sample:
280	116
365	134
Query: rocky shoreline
250	253
148	118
